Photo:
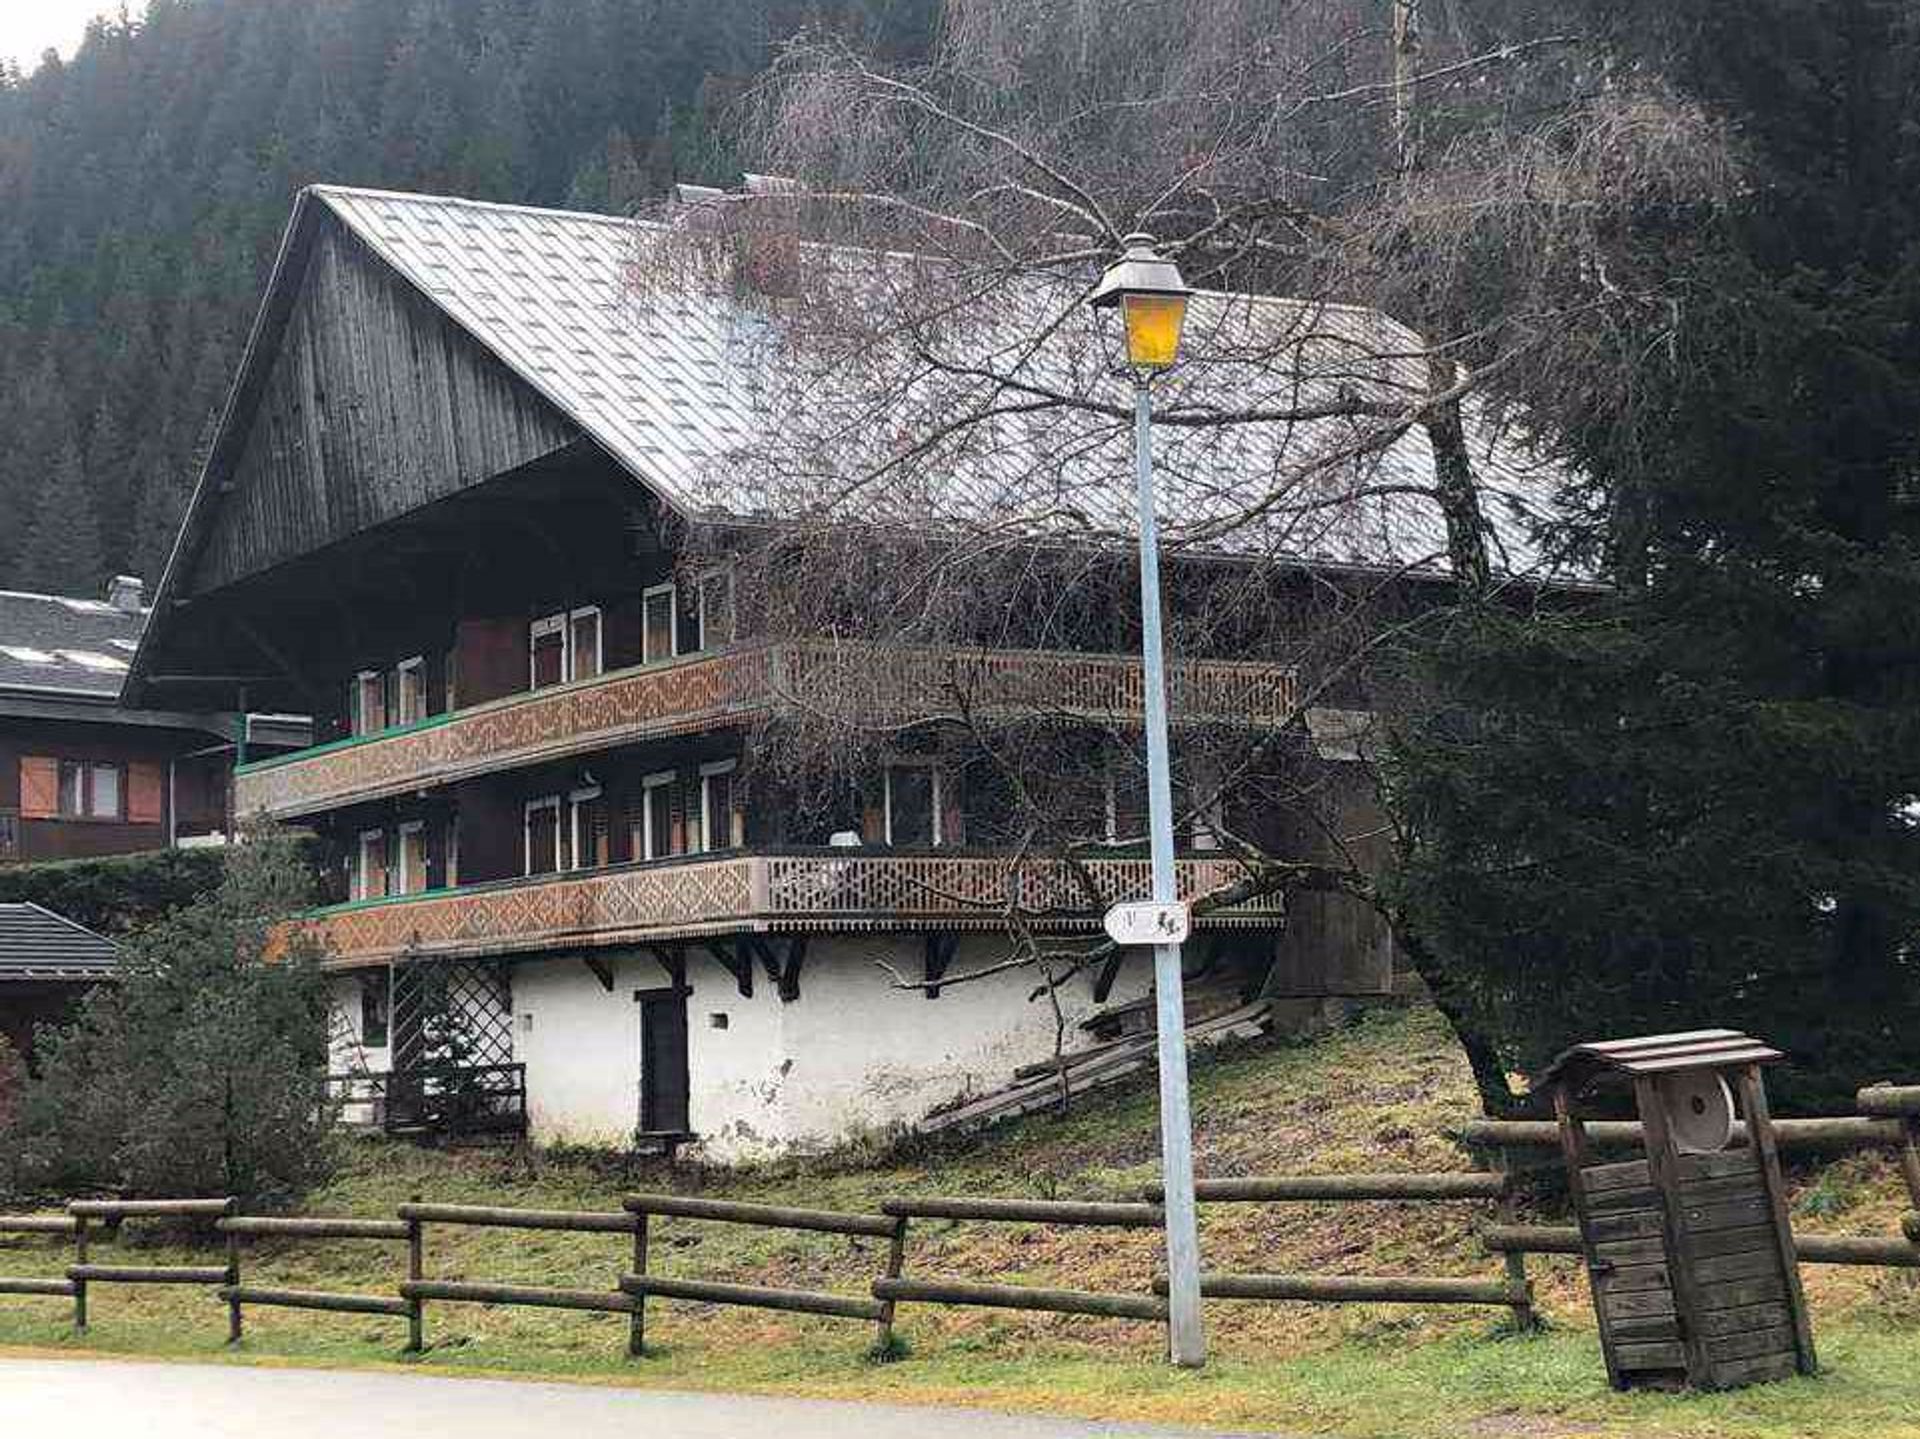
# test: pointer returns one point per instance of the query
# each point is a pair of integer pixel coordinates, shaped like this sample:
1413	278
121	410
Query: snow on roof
678	386
60	644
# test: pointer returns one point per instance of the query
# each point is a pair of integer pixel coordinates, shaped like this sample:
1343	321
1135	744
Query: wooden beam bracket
728	954
602	971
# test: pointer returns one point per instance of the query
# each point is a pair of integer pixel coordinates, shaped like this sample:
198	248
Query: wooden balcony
880	684
790	892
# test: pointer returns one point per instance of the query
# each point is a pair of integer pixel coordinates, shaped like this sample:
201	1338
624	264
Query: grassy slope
1375	1097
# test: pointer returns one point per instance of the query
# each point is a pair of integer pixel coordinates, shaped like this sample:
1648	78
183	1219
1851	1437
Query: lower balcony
883	684
787	892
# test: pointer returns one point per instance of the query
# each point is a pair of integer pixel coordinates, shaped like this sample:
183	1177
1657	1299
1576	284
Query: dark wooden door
664	1081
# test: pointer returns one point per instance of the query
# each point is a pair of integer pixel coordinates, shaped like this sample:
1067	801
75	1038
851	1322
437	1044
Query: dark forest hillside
144	184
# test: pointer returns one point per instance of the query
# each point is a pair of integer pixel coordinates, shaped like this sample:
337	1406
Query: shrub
118	893
202	1071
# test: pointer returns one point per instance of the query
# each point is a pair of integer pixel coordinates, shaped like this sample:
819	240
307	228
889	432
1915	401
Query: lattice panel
893	683
452	1010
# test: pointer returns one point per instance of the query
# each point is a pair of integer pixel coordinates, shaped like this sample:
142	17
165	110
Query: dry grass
1380	1095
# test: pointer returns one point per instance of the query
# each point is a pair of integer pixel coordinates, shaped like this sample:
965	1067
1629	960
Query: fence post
1525	1318
80	1285
1910	1160
637	1325
896	1263
416	1271
233	1281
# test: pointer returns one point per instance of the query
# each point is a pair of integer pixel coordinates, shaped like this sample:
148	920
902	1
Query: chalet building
81	772
451	513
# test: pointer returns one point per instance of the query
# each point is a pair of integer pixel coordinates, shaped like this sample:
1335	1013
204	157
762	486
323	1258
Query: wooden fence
1889	1121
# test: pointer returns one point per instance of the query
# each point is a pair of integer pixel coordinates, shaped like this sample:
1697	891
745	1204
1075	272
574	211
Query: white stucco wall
868	1056
850	1055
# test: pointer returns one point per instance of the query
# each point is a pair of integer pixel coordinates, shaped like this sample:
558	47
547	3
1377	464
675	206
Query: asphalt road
109	1399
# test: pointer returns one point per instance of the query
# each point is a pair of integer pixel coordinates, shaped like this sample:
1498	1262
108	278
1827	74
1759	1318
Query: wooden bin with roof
1689	1249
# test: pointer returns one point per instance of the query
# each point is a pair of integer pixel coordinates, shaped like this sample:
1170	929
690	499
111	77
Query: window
376	1007
564	647
716	805
410	691
73	787
586	828
547	652
656	816
543	835
368	879
103	795
452	876
658	630
369	711
913	806
716	608
410	865
90	791
583	644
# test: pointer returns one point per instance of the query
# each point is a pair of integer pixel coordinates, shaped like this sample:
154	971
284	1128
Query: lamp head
1152	299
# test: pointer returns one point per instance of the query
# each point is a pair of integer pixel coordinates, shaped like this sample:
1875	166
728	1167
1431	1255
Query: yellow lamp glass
1153	328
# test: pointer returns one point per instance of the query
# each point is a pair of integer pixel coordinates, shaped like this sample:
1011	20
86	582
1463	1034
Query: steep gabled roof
37	944
673	384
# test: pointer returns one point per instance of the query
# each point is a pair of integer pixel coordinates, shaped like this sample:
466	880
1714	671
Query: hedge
119	892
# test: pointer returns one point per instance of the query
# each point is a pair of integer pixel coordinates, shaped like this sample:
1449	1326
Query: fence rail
1889	1121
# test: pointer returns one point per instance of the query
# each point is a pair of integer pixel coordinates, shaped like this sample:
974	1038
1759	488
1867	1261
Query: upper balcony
788	892
887	685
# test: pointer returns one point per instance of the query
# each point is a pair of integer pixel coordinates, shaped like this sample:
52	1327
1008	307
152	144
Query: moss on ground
1380	1095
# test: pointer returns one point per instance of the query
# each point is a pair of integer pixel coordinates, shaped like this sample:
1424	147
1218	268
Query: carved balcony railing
873	683
789	892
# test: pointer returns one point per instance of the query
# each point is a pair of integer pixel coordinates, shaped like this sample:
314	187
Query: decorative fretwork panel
874	683
789	893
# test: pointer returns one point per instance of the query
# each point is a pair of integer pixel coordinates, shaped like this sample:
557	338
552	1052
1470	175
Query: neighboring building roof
37	944
56	645
672	378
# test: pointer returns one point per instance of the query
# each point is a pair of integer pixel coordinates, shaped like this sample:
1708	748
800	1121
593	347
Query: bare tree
1407	228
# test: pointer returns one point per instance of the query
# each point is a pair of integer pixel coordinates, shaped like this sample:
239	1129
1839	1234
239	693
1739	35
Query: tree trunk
1497	1098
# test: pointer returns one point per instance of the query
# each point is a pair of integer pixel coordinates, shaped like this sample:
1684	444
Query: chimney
127	593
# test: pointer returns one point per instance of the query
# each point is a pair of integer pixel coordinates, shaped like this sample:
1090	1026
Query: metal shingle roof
37	944
65	646
678	381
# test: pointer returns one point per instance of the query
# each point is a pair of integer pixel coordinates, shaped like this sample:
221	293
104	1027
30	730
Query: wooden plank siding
375	405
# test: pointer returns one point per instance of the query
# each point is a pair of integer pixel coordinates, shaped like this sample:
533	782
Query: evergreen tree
1696	801
61	551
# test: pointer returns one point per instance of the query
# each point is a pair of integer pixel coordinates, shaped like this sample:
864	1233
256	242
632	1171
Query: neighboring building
451	501
47	963
81	773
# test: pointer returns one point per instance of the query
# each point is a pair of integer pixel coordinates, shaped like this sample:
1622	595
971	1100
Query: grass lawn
1377	1096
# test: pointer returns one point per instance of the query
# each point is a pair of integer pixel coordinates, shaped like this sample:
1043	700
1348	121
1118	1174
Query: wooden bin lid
1656	1054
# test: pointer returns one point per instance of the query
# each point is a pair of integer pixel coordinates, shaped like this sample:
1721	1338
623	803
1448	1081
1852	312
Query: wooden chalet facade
83	774
447	514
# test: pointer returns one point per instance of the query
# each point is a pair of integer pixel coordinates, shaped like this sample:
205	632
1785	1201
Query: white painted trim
660	779
570	659
538	630
576	798
937	796
358	716
358	883
672	592
417	663
708	772
545	801
401	832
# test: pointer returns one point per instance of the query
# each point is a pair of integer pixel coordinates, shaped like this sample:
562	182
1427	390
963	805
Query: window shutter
146	793
39	787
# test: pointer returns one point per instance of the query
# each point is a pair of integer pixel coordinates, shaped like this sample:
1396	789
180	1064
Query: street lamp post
1152	299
